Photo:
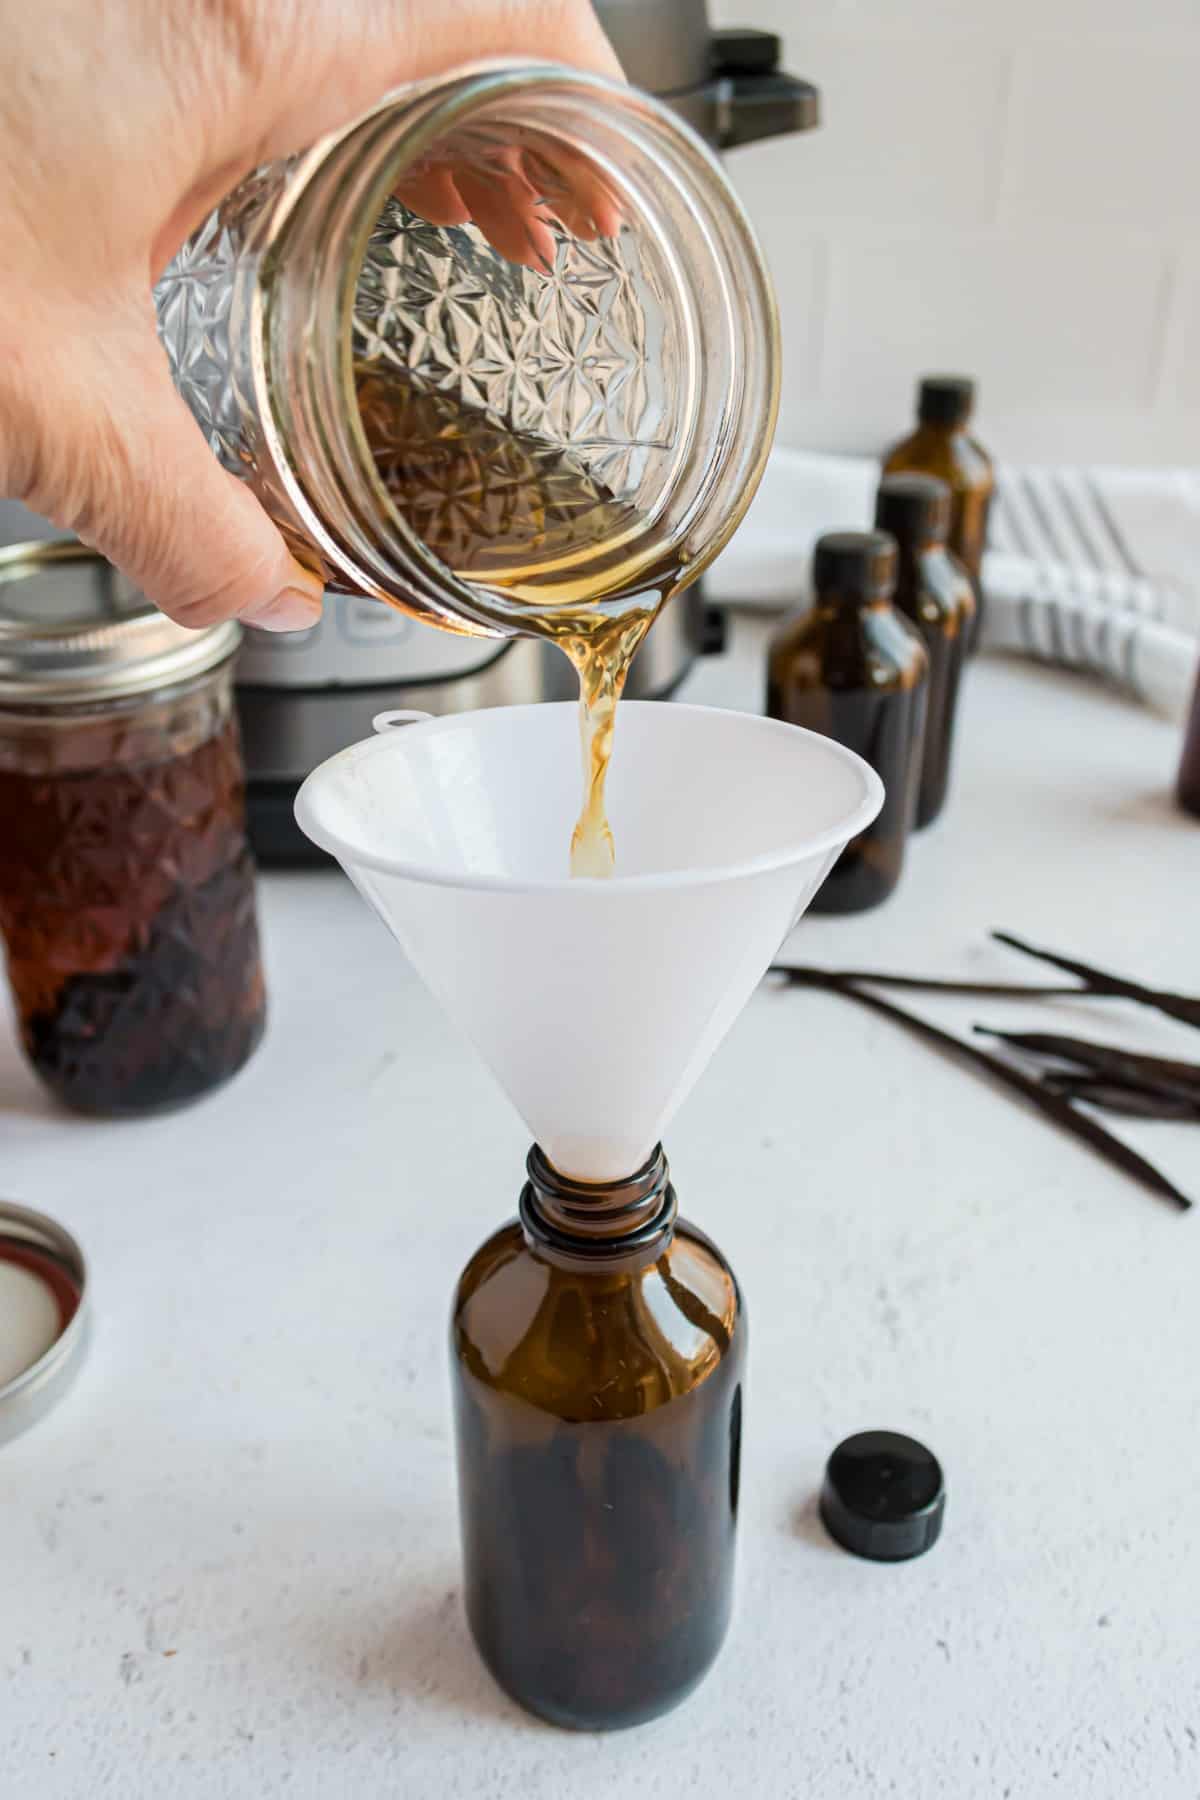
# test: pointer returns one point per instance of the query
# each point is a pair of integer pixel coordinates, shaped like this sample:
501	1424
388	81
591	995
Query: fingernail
293	609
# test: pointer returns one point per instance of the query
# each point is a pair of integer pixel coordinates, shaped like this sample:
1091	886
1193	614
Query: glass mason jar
126	882
476	434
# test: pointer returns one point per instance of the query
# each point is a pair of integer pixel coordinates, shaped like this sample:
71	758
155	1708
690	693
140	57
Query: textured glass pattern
195	301
511	412
127	910
564	361
561	356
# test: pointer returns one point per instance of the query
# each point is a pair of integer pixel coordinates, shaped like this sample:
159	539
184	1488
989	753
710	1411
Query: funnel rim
663	881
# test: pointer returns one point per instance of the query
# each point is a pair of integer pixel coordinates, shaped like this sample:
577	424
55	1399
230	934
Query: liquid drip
601	654
502	507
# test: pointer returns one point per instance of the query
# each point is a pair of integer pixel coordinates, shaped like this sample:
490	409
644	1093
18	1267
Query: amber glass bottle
597	1348
942	446
933	591
854	669
1189	768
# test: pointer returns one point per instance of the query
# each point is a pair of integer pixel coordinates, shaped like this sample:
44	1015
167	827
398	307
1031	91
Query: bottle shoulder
606	1343
982	458
954	457
800	634
896	645
847	647
938	593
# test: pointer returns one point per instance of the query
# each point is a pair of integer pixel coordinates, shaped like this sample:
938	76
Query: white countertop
230	1560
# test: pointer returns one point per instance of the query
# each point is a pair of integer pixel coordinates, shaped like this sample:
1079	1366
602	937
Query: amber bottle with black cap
597	1351
933	591
943	446
1188	788
854	669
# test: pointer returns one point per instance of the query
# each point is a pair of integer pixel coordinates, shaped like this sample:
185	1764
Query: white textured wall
1006	187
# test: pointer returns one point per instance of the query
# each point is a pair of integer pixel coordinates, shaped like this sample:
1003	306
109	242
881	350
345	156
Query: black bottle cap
945	400
883	1496
914	508
860	565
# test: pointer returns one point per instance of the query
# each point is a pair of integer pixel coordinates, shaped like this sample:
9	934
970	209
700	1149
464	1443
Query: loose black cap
945	400
883	1496
858	564
914	508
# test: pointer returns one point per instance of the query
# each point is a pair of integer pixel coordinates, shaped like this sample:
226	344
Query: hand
514	192
121	126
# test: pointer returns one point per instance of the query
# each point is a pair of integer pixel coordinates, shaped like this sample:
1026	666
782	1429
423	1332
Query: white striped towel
1095	569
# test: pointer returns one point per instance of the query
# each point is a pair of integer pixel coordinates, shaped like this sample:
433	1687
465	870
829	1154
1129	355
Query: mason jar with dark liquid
127	905
933	592
598	1351
854	669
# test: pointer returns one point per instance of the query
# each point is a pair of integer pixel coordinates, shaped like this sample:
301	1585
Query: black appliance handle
753	98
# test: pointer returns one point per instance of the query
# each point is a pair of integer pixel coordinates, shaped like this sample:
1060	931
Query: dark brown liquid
513	511
966	468
127	910
933	592
1189	768
858	674
597	1395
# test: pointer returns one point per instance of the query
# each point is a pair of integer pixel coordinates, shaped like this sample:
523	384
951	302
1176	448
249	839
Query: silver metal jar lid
44	1315
73	629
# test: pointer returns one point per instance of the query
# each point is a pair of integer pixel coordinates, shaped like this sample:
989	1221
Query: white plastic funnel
595	1003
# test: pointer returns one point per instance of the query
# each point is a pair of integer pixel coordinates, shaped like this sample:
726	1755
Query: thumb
121	462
